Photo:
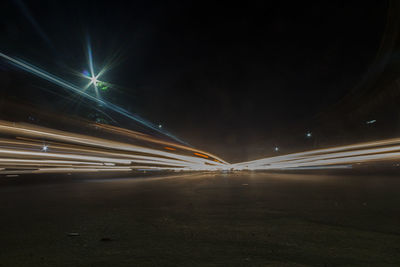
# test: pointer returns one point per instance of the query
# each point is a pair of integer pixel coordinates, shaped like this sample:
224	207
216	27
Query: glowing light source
93	80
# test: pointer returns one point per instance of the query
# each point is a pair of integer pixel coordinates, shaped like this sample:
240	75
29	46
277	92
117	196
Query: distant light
276	148
45	148
370	122
160	126
308	134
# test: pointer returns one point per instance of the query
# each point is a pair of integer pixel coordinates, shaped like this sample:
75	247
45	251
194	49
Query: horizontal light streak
71	152
384	150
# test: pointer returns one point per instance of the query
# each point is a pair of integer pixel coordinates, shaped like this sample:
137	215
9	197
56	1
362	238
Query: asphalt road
207	219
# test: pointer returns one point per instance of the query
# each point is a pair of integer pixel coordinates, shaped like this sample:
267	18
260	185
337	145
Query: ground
205	219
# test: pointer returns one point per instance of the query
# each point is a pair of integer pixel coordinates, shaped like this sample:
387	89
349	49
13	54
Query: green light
102	85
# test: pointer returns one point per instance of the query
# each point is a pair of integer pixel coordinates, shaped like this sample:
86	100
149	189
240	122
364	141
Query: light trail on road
21	151
335	157
26	148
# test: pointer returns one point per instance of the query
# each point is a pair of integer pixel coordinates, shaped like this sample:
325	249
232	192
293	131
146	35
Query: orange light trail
201	155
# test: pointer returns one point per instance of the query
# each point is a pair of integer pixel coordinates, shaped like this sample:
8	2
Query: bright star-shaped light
45	148
93	80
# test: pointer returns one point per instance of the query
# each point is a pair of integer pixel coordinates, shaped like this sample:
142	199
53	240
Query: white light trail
385	150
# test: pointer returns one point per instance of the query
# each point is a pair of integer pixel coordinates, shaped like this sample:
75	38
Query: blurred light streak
34	23
93	77
200	155
147	138
21	151
336	157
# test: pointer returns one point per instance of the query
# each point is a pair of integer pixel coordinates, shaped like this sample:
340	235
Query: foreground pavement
205	219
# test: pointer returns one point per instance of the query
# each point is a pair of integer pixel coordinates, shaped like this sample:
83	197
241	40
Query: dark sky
222	76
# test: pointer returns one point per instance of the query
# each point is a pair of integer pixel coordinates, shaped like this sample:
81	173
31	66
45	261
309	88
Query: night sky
221	76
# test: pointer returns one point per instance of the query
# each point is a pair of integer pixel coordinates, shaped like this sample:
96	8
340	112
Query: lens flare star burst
77	90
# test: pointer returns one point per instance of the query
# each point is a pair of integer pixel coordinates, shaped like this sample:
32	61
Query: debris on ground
73	234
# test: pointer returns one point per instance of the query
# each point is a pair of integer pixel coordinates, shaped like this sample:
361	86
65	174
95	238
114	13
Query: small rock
73	234
106	239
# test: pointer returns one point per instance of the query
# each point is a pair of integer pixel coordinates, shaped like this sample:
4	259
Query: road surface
203	219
